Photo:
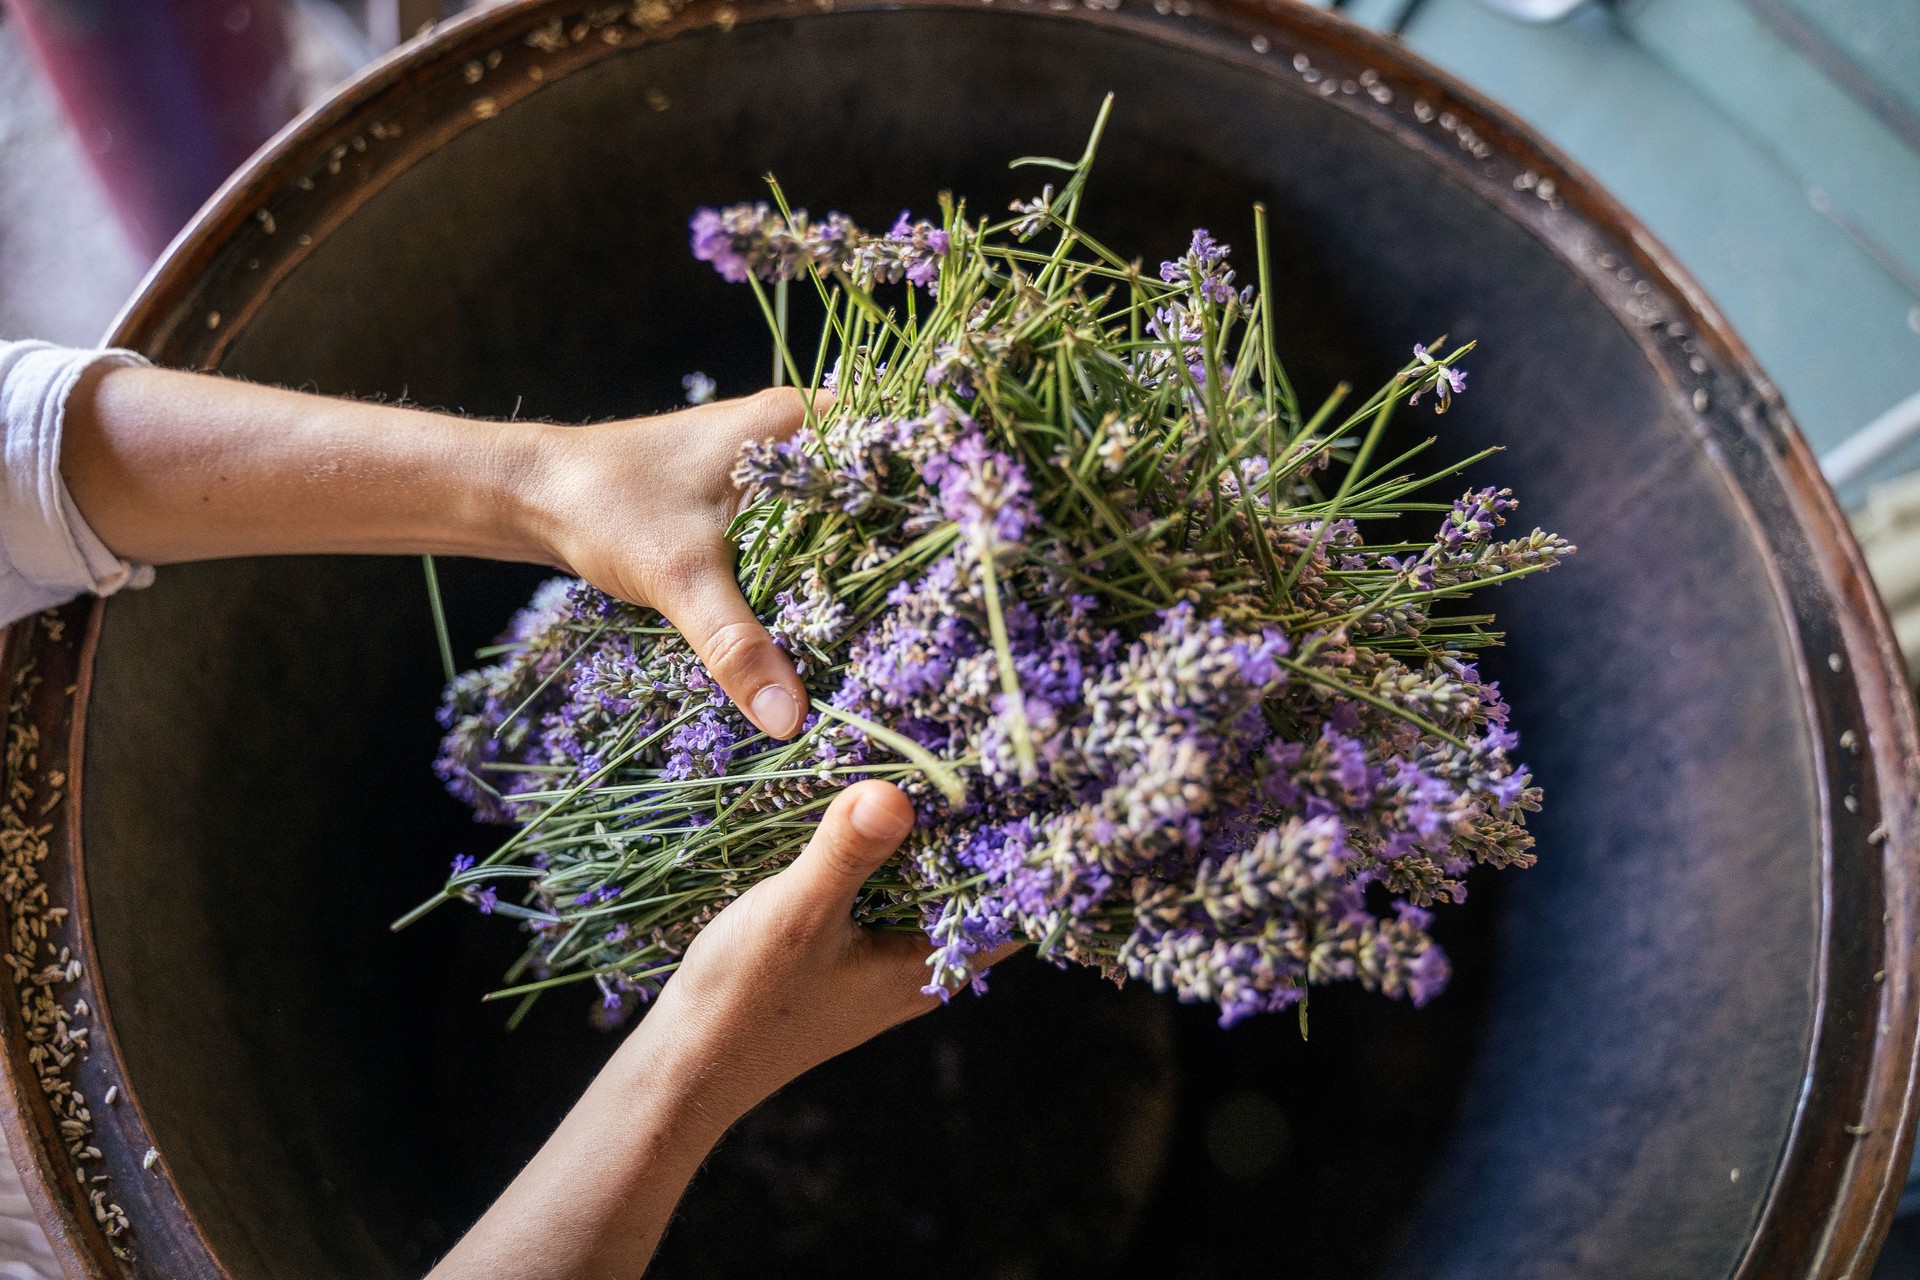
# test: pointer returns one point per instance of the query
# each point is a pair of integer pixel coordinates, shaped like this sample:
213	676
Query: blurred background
1773	145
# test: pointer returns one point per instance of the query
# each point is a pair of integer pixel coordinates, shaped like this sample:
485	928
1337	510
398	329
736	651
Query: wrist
695	1077
506	506
597	1197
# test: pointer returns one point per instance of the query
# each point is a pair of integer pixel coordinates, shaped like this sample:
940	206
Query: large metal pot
1683	1046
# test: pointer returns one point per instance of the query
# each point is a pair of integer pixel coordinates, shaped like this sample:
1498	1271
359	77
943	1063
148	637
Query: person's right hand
782	980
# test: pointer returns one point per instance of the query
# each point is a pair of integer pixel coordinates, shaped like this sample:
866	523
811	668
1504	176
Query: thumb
702	599
860	831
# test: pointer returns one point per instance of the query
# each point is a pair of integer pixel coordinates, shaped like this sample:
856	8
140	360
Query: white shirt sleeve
48	553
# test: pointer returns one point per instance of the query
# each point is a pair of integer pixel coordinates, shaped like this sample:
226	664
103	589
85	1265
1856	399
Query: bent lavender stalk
1066	559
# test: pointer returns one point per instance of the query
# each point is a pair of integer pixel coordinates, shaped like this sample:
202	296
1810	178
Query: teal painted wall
1768	174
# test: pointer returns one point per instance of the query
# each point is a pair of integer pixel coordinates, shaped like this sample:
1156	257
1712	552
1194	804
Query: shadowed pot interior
1656	1037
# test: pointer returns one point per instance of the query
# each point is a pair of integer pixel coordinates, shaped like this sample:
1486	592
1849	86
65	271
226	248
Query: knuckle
782	398
731	646
843	858
849	858
779	411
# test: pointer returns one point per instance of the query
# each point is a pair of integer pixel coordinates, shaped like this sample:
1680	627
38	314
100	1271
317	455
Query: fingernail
875	819
776	711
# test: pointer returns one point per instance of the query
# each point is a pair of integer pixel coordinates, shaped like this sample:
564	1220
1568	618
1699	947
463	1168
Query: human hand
640	509
783	979
169	467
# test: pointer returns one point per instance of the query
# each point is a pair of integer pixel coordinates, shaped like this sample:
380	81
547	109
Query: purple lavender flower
752	240
701	748
1203	268
982	489
911	251
1474	518
1418	570
1033	213
1447	382
1397	957
714	241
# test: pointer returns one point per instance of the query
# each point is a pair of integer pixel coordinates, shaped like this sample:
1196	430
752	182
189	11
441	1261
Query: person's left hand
640	509
168	467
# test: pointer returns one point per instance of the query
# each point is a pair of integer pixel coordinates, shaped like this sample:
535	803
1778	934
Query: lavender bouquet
1067	560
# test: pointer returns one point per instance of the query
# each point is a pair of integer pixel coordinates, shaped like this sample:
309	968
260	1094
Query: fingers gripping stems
861	829
736	650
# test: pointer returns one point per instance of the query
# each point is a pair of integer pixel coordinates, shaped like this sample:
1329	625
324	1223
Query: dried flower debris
55	1030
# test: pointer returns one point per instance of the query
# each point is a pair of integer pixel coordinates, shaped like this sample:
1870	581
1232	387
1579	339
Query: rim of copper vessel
1853	1120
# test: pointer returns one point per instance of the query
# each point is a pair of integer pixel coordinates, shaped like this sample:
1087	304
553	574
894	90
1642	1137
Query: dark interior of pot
1604	1091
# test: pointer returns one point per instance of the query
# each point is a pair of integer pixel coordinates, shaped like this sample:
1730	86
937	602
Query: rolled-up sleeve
48	553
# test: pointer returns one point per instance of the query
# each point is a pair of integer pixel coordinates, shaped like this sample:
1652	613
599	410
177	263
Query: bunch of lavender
1067	560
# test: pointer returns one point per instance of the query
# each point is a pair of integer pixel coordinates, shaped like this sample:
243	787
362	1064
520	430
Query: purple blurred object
167	96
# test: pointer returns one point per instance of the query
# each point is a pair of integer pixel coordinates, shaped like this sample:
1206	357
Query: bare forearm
169	467
598	1197
780	982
